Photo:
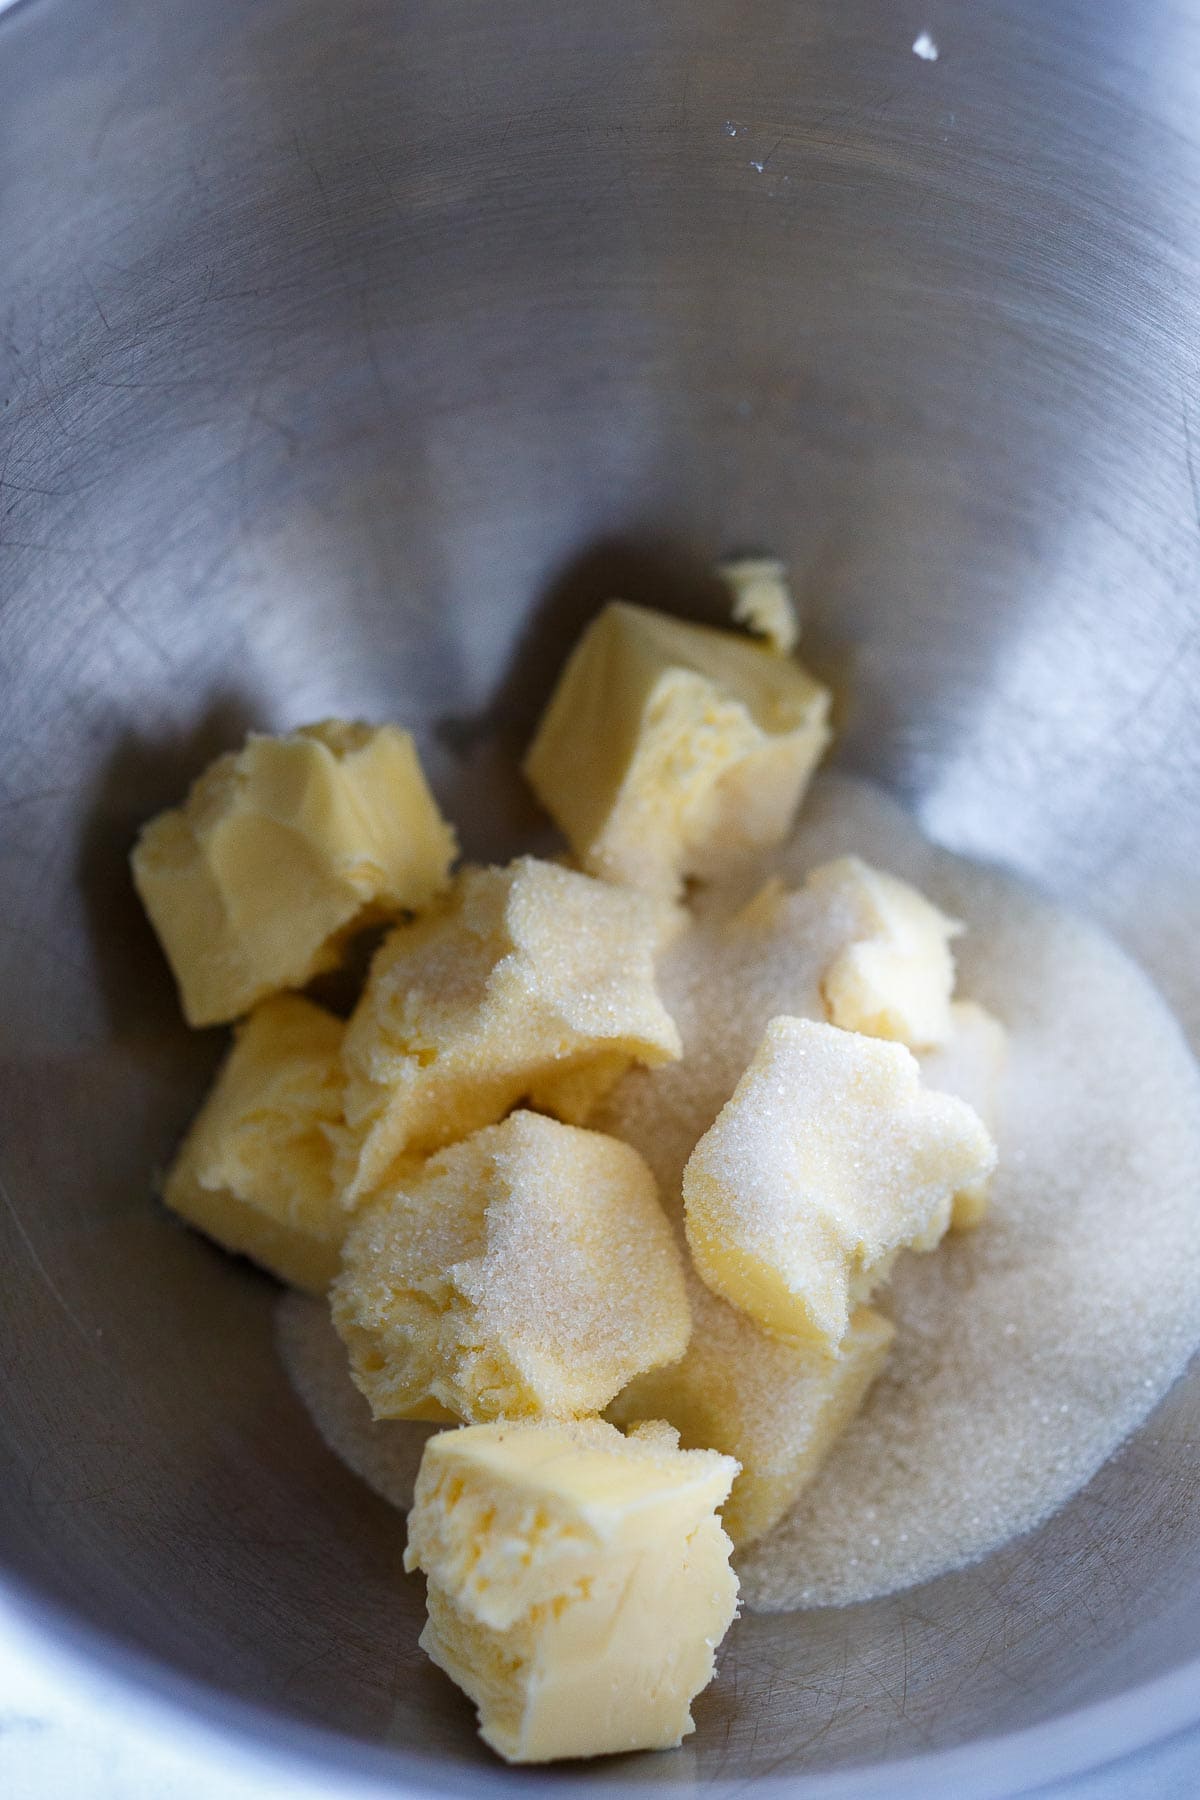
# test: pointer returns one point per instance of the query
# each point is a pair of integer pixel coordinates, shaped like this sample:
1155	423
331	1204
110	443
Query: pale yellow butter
578	1581
528	1271
669	749
282	849
776	1407
828	1159
530	982
255	1171
762	600
971	1064
895	975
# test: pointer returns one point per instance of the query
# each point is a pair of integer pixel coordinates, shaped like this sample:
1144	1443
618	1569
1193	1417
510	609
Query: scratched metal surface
349	356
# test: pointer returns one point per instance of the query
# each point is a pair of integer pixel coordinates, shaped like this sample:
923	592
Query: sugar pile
1026	1351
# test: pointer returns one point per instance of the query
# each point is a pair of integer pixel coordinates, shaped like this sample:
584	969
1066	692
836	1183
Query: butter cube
256	1169
762	600
279	852
531	982
670	749
527	1271
970	1064
895	975
828	1159
776	1407
578	1582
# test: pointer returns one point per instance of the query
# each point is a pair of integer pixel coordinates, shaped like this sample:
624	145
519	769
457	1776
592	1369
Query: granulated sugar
1025	1351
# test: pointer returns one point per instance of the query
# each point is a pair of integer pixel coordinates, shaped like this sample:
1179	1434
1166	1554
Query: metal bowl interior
350	357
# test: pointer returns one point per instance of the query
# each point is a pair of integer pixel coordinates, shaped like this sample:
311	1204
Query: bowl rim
1072	1743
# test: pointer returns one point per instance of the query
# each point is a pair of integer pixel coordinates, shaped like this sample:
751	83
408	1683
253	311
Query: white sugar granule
1026	1351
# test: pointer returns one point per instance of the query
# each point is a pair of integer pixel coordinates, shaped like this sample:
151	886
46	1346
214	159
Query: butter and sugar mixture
676	1179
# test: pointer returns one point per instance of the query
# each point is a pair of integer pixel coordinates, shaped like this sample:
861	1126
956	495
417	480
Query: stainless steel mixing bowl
351	354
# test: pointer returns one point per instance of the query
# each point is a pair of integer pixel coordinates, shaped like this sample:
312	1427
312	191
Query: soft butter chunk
670	749
762	600
531	982
282	849
971	1064
895	975
256	1169
578	1581
527	1271
828	1159
776	1407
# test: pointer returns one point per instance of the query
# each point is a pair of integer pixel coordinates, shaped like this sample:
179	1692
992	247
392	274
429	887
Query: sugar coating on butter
776	1407
527	1271
530	982
762	600
670	749
279	851
255	1170
746	957
895	975
829	1158
578	1581
971	1064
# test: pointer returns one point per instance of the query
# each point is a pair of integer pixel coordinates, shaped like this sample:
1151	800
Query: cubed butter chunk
578	1581
829	1158
895	975
282	849
528	1271
777	1408
762	600
531	982
256	1169
971	1064
670	749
